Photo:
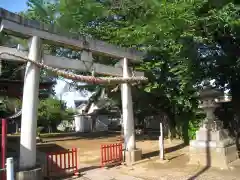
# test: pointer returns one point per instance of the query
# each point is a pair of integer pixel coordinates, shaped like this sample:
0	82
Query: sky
20	5
14	5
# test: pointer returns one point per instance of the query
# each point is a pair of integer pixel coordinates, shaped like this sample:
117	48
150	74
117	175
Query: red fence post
60	160
76	158
110	148
72	152
3	148
120	152
47	168
68	159
101	155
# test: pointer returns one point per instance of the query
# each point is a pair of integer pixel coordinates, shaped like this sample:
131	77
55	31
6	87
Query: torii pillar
27	163
131	153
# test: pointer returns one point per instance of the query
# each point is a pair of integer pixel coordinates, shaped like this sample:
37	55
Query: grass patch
46	135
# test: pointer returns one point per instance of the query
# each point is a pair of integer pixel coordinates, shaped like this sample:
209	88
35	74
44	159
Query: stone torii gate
39	33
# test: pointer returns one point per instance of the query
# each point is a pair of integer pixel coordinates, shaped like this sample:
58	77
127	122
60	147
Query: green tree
50	113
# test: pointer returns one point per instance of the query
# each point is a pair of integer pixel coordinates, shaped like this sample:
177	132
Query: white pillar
10	169
127	110
30	107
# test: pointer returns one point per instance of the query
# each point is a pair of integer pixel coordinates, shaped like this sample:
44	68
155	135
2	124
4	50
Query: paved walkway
126	173
104	174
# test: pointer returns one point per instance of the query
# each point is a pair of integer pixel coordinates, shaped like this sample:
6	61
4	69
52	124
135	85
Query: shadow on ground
82	170
148	135
50	147
167	150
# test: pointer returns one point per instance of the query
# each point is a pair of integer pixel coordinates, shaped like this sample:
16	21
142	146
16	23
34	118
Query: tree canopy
51	112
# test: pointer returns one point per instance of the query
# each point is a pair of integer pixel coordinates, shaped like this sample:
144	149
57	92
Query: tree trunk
185	127
17	127
49	129
235	91
94	119
171	125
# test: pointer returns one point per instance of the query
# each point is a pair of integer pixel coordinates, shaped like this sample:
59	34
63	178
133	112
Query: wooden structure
14	88
38	34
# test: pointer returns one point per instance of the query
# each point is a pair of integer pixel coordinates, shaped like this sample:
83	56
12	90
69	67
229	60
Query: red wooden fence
64	162
111	154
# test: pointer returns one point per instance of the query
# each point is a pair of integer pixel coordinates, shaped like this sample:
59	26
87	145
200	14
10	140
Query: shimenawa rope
81	78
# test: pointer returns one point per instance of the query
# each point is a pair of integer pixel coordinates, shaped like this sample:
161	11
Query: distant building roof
78	103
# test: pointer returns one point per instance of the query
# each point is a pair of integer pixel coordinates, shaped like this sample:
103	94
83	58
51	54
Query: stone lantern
208	103
213	145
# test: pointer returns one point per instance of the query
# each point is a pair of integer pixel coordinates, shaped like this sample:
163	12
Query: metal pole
10	169
161	143
3	148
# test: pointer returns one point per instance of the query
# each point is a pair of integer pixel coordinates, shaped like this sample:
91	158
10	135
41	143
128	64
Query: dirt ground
150	167
89	149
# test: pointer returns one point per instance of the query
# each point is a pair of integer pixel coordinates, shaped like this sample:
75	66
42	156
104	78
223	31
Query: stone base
133	156
207	135
213	148
207	155
35	174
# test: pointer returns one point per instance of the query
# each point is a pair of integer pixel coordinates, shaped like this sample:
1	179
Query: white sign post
161	143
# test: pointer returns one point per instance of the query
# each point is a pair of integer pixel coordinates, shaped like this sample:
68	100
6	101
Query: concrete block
133	156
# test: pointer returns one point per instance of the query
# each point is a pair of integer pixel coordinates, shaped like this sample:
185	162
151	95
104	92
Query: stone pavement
104	174
126	173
